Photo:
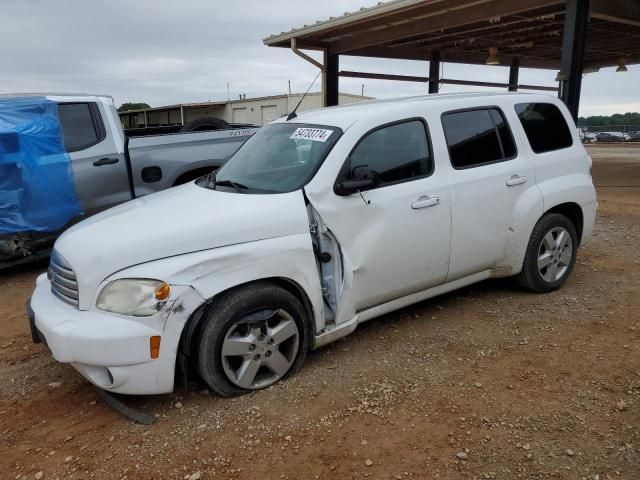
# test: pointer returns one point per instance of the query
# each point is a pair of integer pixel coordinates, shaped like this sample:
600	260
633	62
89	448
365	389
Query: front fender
211	272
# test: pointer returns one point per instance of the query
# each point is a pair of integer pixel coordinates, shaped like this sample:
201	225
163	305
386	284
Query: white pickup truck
317	224
73	147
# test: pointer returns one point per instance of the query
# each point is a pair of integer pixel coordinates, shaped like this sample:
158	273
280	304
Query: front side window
79	127
280	157
545	126
391	154
477	137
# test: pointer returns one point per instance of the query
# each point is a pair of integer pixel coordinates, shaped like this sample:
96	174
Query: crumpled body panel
37	191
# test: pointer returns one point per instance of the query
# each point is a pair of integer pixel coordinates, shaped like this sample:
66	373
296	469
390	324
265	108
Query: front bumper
36	335
112	351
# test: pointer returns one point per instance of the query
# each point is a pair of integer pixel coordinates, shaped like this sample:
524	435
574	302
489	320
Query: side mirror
349	187
361	179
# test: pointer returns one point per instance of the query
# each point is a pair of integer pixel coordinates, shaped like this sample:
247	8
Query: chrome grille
63	281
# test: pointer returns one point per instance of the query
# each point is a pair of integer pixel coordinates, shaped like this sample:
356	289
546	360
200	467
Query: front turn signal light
162	292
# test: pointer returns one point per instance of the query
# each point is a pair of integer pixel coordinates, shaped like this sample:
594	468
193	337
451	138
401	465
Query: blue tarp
37	192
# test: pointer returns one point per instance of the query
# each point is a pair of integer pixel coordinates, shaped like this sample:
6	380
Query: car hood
172	222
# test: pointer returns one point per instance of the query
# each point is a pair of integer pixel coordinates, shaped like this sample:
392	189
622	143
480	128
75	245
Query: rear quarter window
545	126
81	125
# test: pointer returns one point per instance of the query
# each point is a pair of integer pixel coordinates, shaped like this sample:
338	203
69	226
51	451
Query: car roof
344	116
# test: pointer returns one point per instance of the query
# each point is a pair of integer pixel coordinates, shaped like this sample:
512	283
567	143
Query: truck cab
95	142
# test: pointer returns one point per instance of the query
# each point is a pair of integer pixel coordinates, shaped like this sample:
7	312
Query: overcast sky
166	51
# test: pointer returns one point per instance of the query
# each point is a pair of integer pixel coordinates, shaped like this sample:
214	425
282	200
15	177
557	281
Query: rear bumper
589	211
111	351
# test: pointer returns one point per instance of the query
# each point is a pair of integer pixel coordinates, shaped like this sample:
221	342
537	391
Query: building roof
237	100
463	31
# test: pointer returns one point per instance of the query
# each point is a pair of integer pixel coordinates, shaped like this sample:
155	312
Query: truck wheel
205	124
551	254
252	337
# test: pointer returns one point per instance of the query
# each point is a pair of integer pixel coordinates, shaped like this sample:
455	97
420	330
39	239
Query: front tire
252	337
550	255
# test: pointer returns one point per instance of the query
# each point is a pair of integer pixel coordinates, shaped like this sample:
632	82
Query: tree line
125	107
611	120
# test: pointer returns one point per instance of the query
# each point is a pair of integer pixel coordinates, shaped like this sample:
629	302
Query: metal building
572	36
257	111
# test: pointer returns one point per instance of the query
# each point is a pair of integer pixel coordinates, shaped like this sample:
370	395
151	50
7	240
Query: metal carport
572	36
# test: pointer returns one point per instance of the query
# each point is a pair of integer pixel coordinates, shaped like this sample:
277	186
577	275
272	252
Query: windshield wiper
230	183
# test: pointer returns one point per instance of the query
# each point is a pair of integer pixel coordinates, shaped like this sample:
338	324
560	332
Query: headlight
137	297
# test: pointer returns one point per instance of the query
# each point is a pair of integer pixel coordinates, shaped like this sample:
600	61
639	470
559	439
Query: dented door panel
389	248
334	271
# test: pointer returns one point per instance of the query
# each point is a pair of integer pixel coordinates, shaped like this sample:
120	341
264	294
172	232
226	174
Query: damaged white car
318	223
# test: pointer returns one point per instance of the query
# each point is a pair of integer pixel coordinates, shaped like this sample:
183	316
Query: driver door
395	234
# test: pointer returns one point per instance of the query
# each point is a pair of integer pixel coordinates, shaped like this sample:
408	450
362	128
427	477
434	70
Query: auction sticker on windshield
315	134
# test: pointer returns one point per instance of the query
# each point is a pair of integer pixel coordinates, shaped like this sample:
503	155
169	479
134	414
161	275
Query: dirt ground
489	382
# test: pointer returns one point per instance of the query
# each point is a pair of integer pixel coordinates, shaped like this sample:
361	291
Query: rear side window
392	154
545	126
477	137
81	125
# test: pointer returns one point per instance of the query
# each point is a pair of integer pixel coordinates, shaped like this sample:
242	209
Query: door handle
425	201
516	180
105	161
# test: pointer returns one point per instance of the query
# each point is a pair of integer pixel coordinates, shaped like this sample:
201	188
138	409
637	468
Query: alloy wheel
260	348
555	254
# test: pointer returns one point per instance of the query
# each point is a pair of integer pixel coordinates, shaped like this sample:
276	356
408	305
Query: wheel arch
516	250
573	212
191	330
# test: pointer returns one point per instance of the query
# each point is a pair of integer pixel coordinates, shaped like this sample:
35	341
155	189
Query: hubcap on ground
554	254
260	348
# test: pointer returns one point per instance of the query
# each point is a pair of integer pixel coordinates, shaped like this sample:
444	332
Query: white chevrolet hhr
319	222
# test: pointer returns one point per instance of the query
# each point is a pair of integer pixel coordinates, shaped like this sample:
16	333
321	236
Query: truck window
477	137
81	125
545	126
393	153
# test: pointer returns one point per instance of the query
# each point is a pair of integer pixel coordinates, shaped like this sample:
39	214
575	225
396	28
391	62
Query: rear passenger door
489	177
99	167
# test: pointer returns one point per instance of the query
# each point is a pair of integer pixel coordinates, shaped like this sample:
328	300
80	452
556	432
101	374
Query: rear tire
550	255
252	337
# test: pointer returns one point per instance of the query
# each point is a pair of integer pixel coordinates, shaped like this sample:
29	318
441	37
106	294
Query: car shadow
39	265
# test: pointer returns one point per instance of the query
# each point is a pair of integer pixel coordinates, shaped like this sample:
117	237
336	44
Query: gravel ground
488	382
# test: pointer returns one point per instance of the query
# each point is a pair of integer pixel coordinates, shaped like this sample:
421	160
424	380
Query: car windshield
279	158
